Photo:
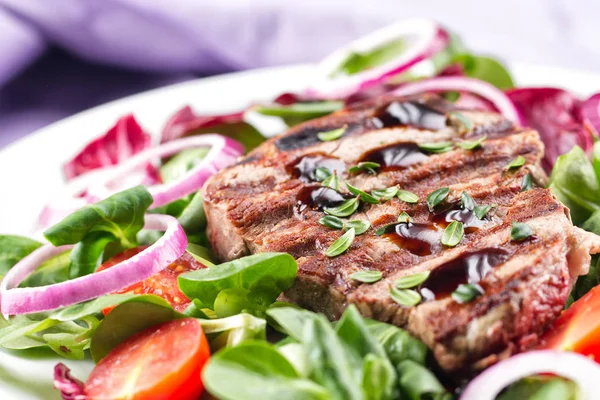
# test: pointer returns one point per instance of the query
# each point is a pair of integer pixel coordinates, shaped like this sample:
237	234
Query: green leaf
13	249
359	226
54	270
341	244
257	371
466	292
453	234
299	112
201	254
407	197
481	211
596	160
364	196
520	231
332	181
331	221
233	301
334	134
385	194
465	126
437	197
322	173
265	274
379	378
366	276
405	297
354	333
347	208
366	166
67	331
471	145
541	388
418	382
398	344
86	256
121	215
330	362
231	331
127	319
516	163
587	282
357	62
181	163
575	183
404	217
241	132
193	218
436	147
290	320
486	69
411	281
467	201
527	183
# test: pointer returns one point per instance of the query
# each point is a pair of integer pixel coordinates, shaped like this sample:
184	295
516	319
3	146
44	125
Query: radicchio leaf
70	387
123	140
557	115
591	114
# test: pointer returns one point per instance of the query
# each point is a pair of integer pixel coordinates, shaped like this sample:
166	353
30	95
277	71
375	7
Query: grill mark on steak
253	207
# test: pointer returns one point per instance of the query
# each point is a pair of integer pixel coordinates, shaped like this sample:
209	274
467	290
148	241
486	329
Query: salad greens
357	62
355	359
299	112
118	219
13	249
542	388
575	180
259	278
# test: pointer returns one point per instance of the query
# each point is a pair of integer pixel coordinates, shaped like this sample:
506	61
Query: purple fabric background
58	57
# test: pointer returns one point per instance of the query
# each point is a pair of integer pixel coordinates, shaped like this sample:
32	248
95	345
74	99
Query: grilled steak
271	201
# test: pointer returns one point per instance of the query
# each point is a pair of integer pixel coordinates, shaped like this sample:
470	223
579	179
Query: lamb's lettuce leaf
258	279
351	359
13	249
574	182
117	219
541	388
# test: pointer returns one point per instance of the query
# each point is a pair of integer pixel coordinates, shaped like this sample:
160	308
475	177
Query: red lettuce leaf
70	387
556	115
123	140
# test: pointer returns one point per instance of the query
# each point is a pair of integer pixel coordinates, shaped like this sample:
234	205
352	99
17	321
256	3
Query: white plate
30	170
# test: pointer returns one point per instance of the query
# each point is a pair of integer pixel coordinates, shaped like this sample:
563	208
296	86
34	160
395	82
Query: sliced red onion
70	387
462	84
99	183
15	300
426	38
590	110
580	369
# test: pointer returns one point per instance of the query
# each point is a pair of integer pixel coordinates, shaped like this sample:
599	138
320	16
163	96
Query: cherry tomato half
162	362
578	328
163	283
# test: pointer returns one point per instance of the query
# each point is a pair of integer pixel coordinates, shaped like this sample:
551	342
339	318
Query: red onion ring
463	84
96	183
580	369
590	110
430	40
15	300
